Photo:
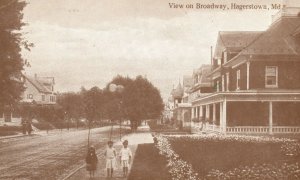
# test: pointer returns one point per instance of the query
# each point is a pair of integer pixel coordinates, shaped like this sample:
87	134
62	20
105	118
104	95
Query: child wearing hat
91	161
110	155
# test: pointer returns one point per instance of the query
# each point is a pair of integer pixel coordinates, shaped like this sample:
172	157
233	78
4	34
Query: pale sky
88	42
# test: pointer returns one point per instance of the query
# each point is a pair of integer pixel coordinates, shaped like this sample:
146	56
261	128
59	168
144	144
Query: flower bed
230	157
178	168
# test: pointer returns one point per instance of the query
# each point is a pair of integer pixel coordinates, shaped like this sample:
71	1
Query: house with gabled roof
256	77
38	90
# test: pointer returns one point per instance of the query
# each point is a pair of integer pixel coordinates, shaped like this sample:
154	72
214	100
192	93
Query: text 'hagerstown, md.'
230	6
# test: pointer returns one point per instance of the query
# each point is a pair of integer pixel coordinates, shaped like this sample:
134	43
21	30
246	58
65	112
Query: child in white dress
110	155
125	157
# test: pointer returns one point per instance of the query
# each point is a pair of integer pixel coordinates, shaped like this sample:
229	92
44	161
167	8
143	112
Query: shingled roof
278	39
38	84
234	41
178	92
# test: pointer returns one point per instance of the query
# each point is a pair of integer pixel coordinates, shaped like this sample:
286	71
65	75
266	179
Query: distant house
182	105
39	90
256	79
202	84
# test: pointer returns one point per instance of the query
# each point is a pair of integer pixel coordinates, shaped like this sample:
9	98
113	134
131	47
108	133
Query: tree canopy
11	62
140	100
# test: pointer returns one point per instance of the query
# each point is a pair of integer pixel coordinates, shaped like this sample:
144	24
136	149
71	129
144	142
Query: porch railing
196	127
286	129
247	129
263	129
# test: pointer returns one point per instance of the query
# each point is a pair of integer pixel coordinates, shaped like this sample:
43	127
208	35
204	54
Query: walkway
140	137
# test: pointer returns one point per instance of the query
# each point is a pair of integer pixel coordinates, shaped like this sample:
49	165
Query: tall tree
140	100
11	63
93	104
72	105
113	108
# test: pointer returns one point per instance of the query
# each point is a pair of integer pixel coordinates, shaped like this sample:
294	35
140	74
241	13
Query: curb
77	169
73	172
9	137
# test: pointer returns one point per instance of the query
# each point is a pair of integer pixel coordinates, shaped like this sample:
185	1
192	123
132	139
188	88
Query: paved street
51	156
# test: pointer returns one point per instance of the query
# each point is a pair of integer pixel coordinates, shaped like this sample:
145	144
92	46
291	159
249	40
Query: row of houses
38	90
252	84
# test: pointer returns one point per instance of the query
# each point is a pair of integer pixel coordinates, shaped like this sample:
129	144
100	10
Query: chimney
35	76
288	8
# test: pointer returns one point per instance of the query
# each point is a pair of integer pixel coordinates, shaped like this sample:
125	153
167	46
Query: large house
38	90
256	79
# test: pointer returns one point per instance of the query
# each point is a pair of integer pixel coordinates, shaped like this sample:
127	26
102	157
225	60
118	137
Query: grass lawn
148	164
227	155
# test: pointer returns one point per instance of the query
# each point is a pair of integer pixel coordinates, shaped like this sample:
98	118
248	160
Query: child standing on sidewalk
91	161
125	157
110	155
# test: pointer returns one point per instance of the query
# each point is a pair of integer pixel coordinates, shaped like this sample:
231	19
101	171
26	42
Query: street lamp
117	89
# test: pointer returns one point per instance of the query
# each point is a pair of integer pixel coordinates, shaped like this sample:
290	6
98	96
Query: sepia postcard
149	89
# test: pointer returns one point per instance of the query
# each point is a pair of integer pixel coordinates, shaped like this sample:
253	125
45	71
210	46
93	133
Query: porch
247	113
9	118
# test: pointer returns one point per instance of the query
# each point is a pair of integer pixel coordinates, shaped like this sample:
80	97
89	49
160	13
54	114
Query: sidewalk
140	137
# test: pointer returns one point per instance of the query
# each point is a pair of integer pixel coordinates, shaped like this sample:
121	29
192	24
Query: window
43	97
29	96
238	79
218	86
271	79
52	98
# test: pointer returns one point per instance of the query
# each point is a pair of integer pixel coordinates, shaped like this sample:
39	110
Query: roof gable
234	41
277	40
37	84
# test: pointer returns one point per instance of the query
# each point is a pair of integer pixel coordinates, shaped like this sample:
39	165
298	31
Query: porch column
192	115
271	117
201	111
207	115
214	116
207	111
224	116
196	111
221	116
248	74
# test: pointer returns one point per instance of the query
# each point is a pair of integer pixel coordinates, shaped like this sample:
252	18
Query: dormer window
271	77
